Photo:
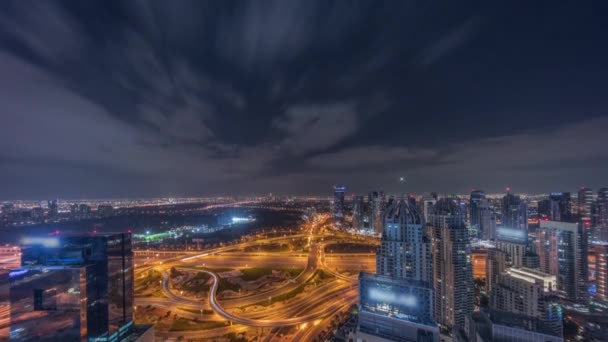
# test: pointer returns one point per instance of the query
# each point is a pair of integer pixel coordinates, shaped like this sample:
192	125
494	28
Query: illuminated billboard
512	234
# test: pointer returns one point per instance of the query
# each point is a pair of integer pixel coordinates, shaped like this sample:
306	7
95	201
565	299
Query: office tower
522	291
452	269
585	200
53	208
338	202
601	271
557	207
476	200
74	288
392	309
600	216
428	200
495	265
377	207
514	212
358	212
405	251
488	223
562	248
493	325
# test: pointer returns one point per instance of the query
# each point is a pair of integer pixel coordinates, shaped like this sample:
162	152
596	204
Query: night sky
152	98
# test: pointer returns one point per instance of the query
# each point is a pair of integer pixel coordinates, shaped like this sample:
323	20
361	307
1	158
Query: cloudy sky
130	98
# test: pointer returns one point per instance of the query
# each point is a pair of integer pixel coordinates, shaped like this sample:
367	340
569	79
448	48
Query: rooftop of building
401	211
517	321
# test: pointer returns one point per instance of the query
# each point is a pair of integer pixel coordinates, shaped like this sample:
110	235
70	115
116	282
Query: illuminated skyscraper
585	200
600	216
397	303
452	268
476	202
514	212
377	207
74	288
338	202
358	212
601	271
428	200
404	248
562	248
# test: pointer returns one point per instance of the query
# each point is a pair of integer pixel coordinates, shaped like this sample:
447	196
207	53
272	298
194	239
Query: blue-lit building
563	250
476	202
73	288
338	202
392	309
405	250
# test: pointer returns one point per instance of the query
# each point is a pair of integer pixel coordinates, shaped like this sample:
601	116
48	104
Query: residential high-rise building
515	251
338	202
494	325
428	200
405	250
477	203
601	271
522	291
392	309
495	265
377	207
73	288
585	200
514	212
600	216
488	222
562	249
452	268
358	212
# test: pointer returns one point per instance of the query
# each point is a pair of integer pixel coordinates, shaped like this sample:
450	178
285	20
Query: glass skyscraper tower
73	288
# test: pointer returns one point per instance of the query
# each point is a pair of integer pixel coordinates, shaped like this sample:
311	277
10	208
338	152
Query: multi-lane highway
307	312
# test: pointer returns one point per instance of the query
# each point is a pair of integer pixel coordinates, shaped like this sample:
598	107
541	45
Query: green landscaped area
347	247
269	247
255	273
149	285
198	283
281	297
182	324
226	285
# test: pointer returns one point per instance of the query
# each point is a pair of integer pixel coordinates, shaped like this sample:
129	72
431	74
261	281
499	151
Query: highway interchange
310	312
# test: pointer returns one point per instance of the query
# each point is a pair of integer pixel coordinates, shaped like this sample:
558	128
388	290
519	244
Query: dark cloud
316	127
191	97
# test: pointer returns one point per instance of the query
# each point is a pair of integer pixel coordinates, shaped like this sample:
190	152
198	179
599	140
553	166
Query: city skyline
194	98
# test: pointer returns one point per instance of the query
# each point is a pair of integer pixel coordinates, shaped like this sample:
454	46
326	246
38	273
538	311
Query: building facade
74	288
452	268
562	248
405	250
393	309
